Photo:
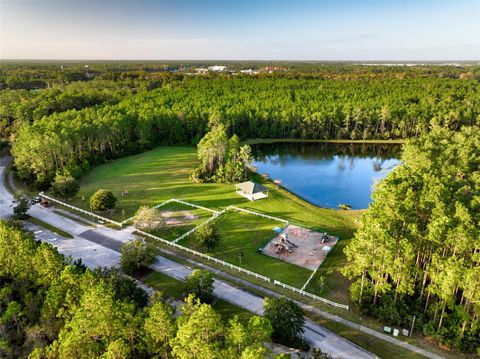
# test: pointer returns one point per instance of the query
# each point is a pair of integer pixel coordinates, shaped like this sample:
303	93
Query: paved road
316	335
100	245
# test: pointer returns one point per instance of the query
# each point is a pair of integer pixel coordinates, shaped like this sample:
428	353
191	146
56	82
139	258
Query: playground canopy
251	190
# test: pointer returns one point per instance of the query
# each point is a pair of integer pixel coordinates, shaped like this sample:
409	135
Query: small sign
396	332
387	329
405	332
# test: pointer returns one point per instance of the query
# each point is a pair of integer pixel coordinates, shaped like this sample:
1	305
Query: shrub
21	205
200	284
286	318
102	200
207	235
148	218
135	254
65	186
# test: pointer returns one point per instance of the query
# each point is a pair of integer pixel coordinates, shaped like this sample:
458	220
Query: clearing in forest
163	173
151	178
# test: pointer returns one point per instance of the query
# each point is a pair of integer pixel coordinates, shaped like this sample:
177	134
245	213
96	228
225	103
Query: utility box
405	332
396	332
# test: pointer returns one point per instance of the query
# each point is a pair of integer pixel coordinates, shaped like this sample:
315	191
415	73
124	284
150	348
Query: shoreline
256	141
270	181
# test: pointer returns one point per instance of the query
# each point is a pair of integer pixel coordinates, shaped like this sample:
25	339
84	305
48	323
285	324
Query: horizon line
247	60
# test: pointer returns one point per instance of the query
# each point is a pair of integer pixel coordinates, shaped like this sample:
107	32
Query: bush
65	186
21	205
200	284
207	235
148	218
102	200
286	318
135	254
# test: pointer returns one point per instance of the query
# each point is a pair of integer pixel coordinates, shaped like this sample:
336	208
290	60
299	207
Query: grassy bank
48	226
173	288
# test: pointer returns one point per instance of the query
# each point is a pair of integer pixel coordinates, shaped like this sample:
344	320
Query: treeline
416	256
325	150
23	106
53	309
182	111
44	74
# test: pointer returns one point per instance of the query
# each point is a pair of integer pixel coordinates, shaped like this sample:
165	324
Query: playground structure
301	246
284	245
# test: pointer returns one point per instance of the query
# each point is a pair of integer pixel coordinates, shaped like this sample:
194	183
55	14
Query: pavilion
251	190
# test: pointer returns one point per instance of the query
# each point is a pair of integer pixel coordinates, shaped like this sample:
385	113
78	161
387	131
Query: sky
341	30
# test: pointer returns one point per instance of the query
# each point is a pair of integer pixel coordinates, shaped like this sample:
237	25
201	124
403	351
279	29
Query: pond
327	174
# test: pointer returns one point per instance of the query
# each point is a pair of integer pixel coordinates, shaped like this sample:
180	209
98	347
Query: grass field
246	233
177	213
162	173
151	178
169	286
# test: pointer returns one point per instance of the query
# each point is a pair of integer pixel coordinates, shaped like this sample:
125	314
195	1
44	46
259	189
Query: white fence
243	270
119	224
307	294
163	203
215	215
258	214
205	256
202	255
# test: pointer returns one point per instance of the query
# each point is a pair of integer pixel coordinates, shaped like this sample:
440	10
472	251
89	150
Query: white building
217	68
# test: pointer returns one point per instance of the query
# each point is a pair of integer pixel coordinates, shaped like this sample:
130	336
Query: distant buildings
217	68
213	68
249	72
222	68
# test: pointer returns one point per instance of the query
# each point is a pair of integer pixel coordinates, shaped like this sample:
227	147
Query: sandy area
177	218
309	251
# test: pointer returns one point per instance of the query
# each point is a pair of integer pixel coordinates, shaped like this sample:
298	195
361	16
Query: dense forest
181	110
53	308
416	255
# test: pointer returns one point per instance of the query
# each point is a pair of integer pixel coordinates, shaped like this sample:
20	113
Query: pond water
327	174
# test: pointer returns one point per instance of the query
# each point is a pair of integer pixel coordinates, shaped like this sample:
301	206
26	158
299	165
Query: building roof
250	187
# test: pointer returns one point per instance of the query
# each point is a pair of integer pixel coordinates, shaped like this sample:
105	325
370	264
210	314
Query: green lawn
246	233
169	286
173	288
374	345
162	173
151	178
228	311
335	282
179	211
